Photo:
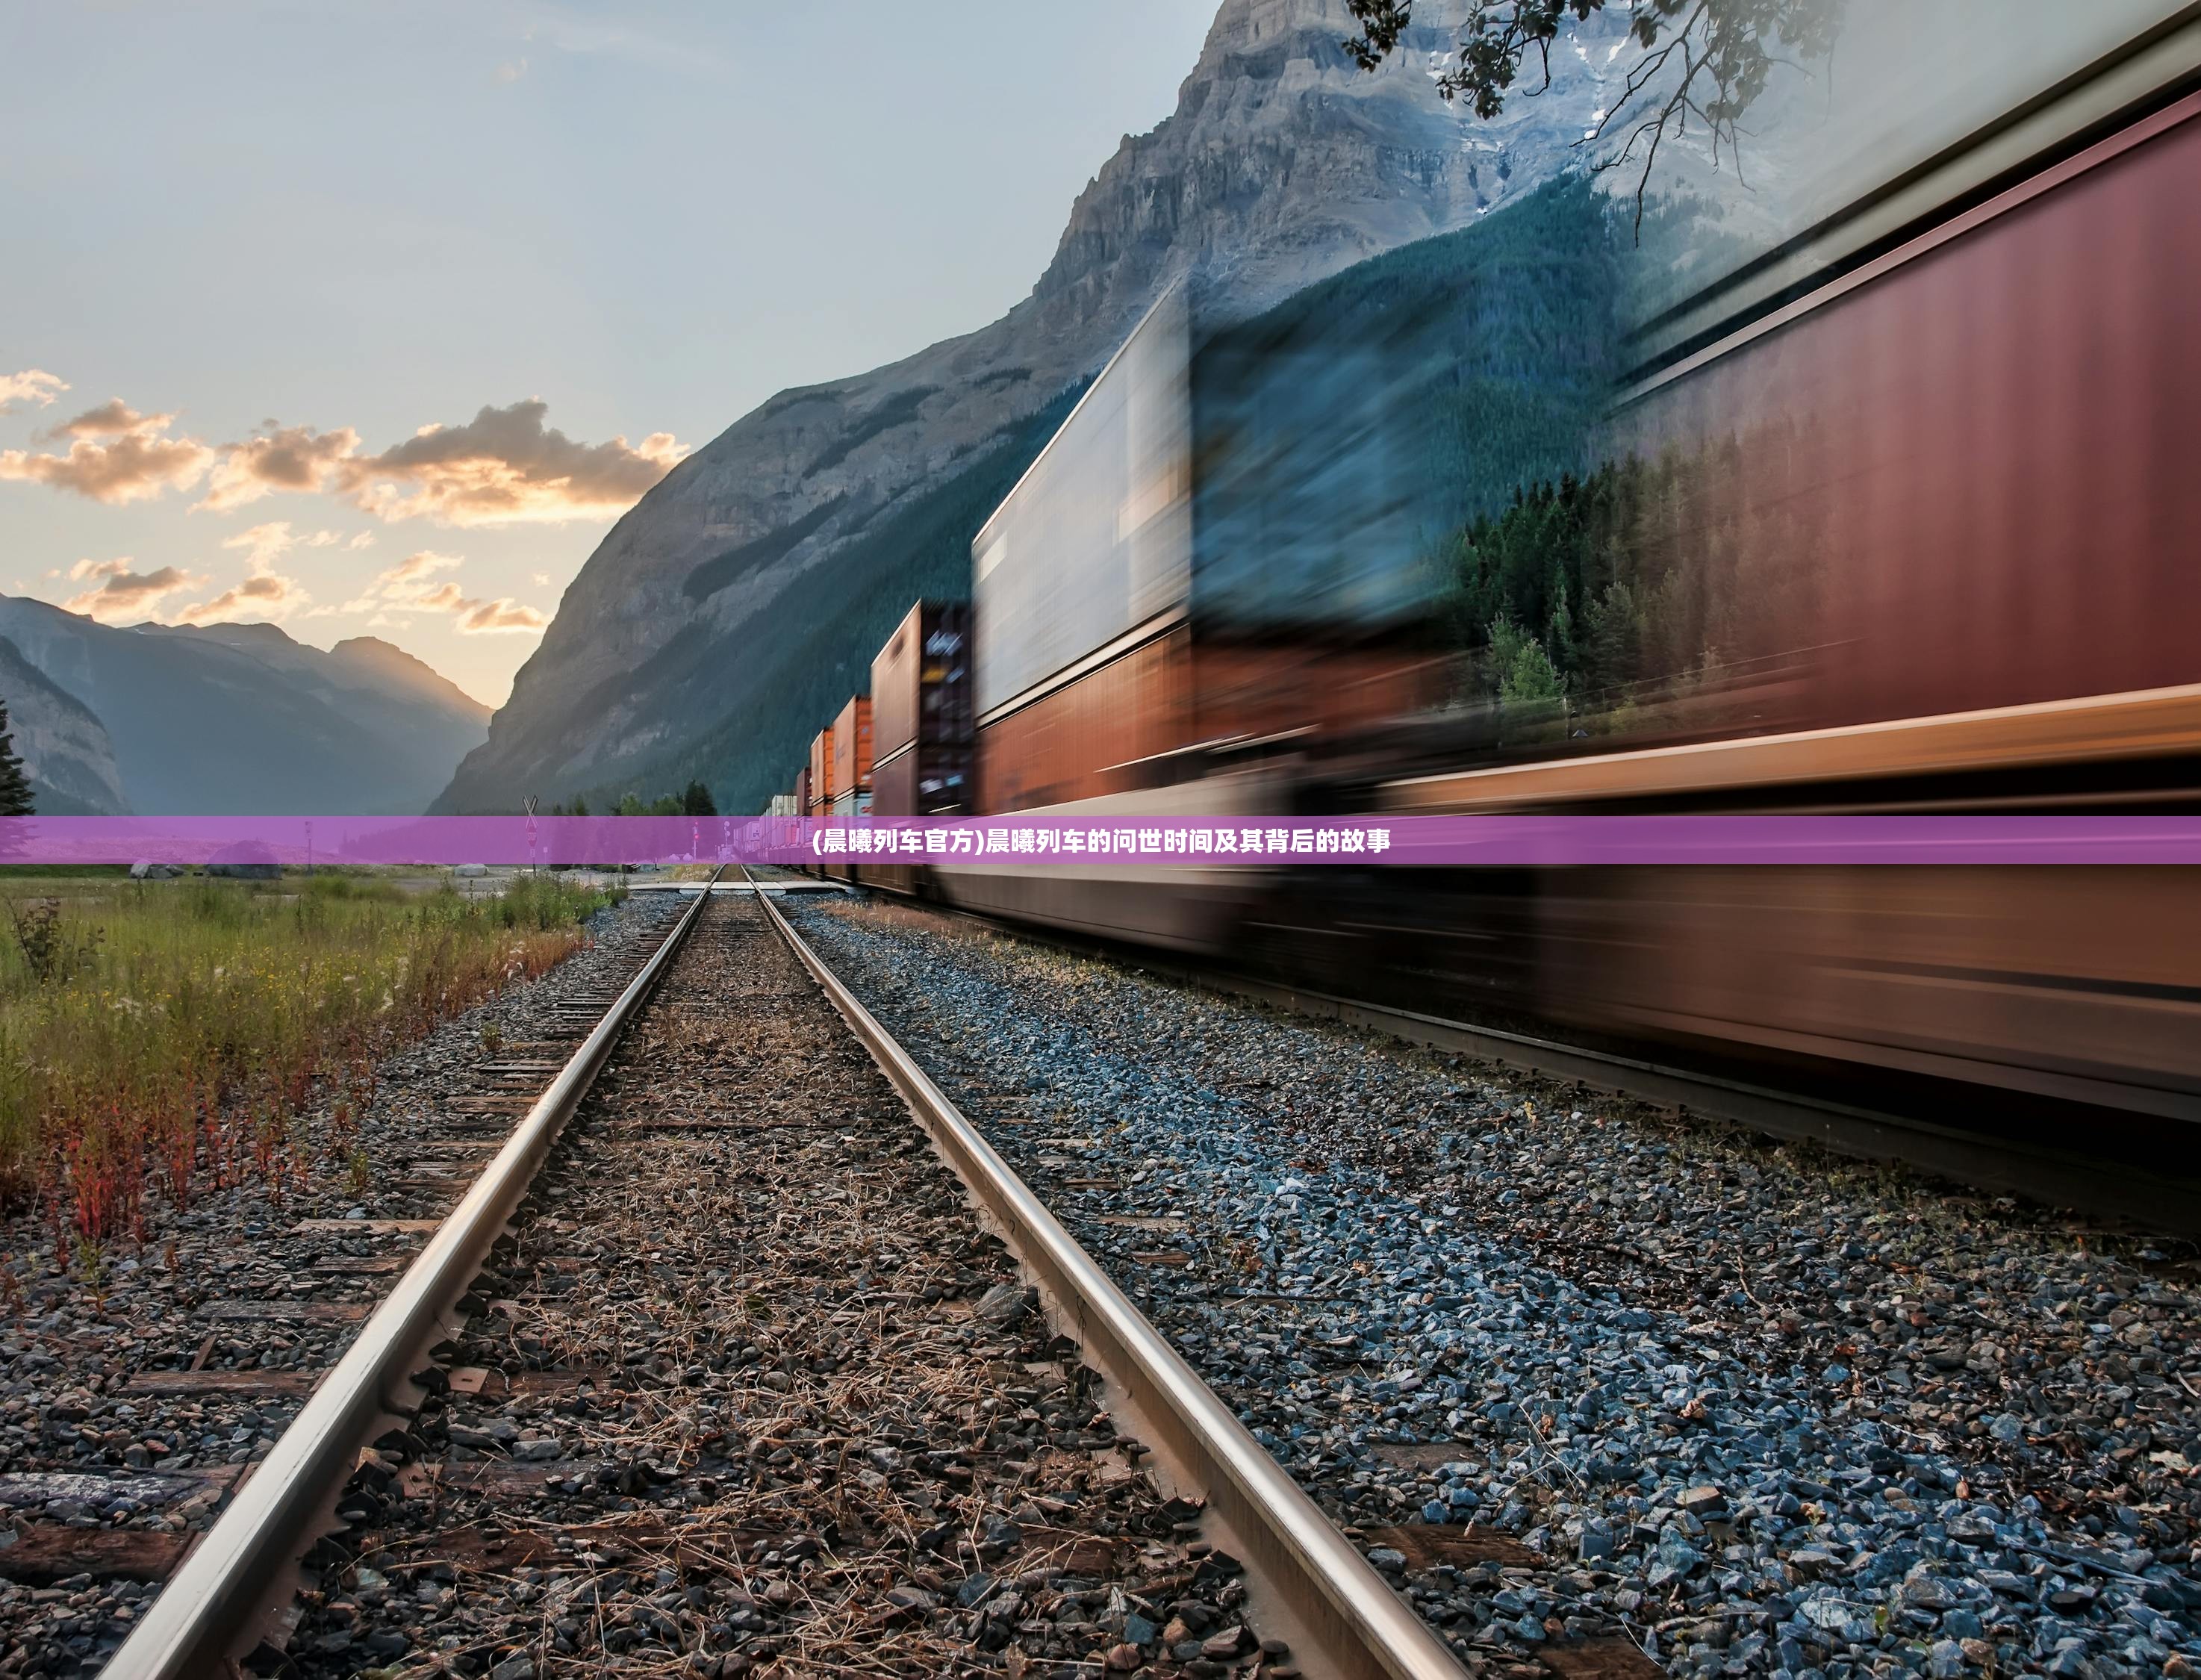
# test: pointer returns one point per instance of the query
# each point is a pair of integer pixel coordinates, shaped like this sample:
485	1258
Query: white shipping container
1096	540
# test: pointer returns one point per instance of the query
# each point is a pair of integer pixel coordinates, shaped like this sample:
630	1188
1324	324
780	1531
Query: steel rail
211	1609
1307	1573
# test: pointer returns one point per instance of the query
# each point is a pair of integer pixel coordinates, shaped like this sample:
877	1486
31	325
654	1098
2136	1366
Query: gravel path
752	1392
1566	1365
135	1399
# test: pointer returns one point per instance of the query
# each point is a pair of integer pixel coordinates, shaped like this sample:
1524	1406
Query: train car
1956	513
921	725
852	772
851	757
820	790
1897	515
1214	565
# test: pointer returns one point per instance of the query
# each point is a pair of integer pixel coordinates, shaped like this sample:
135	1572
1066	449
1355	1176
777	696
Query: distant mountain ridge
233	719
64	747
750	588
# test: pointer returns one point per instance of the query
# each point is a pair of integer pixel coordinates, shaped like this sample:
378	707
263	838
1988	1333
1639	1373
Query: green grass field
161	1036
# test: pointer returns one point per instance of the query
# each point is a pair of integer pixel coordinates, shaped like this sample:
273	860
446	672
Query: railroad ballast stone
752	1392
1762	1410
80	1342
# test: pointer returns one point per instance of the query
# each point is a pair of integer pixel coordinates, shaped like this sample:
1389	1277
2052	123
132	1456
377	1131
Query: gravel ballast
751	1390
139	1390
1567	1365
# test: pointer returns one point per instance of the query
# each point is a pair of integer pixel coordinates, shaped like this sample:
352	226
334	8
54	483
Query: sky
370	316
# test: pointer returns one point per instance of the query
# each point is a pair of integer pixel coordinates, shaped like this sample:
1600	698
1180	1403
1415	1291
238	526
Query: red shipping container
821	771
1965	477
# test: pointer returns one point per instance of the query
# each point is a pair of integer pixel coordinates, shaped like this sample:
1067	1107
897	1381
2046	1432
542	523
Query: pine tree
15	785
696	802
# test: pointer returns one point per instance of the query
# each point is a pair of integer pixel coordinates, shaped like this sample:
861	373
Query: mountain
233	719
724	617
64	747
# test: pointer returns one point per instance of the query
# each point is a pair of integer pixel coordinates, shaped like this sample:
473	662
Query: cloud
500	617
406	581
277	458
540	579
443	597
272	541
264	595
121	594
504	467
405	588
115	455
112	418
507	74
267	542
32	385
365	539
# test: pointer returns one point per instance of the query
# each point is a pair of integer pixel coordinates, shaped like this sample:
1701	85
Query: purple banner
1116	842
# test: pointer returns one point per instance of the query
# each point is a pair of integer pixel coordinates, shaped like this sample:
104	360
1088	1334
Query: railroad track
718	1363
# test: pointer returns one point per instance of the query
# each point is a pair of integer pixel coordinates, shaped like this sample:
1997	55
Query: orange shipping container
821	768
852	747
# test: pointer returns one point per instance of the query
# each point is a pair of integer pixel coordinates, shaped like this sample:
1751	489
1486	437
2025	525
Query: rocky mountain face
750	575
228	719
65	748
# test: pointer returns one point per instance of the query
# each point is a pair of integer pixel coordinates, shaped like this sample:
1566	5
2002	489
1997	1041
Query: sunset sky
372	318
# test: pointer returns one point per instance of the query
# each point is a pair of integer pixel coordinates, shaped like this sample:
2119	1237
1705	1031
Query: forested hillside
1643	584
1515	323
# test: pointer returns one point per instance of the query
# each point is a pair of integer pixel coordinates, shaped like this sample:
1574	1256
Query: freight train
1896	507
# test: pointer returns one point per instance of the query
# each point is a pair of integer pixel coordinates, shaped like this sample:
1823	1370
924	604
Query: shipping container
848	805
822	785
785	804
1094	543
922	680
923	780
1218	544
852	747
1105	732
1175	710
1887	498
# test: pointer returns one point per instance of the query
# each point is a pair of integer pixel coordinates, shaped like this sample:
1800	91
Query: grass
163	1037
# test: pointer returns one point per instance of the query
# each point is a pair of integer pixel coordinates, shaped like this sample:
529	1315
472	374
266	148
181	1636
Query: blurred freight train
1896	508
